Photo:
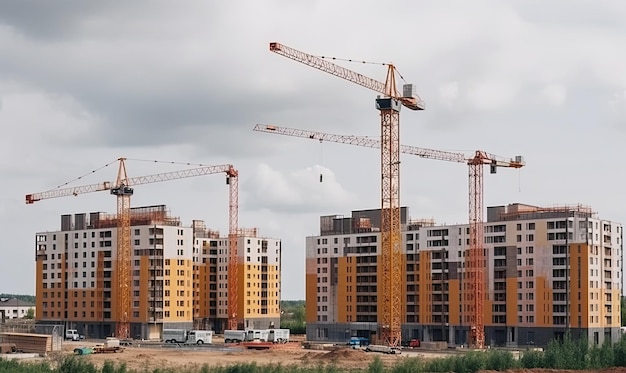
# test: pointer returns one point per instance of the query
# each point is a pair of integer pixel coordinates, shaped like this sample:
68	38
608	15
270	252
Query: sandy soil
159	356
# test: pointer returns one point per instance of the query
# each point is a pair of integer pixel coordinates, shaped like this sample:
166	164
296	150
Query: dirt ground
143	357
148	357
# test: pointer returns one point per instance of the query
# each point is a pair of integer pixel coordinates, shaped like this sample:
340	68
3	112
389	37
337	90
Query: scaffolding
525	212
145	215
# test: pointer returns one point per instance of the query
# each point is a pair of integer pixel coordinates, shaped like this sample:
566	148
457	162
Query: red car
414	343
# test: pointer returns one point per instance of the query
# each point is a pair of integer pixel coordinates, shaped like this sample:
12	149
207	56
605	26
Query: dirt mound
333	355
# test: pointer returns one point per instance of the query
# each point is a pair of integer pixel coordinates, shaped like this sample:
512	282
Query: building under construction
548	271
179	275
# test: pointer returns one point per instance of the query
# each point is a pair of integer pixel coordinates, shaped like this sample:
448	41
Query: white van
72	334
200	337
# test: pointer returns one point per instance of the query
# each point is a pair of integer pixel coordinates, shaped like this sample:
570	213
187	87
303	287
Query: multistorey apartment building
548	271
178	279
259	279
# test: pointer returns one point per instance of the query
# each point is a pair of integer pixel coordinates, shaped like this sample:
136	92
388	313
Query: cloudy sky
84	82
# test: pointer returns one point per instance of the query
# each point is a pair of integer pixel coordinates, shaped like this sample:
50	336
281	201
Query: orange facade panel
579	280
201	299
39	288
454	294
425	289
511	299
346	290
311	297
543	309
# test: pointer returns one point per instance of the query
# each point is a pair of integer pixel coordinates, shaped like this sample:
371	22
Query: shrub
532	359
409	365
376	366
500	360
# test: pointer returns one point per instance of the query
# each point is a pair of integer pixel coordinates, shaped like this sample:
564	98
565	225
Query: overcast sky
85	82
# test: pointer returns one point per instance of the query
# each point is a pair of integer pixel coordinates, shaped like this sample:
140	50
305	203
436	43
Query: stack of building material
7	348
25	342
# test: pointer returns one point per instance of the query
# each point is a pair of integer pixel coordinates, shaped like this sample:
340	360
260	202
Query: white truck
200	337
174	336
278	335
248	335
383	349
235	336
260	335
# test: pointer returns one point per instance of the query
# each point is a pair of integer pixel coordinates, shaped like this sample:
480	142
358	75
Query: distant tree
292	316
30	314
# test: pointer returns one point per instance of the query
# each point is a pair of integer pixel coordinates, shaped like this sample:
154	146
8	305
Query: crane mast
390	227
232	178
475	263
391	271
123	191
473	290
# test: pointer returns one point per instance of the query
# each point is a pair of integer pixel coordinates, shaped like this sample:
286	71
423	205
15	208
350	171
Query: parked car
412	343
72	334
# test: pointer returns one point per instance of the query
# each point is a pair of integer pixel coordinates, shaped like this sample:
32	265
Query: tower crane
475	261
390	289
122	188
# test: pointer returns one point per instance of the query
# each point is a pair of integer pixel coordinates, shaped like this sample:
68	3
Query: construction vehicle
122	189
389	104
278	335
474	260
383	349
358	342
235	336
174	336
200	337
111	345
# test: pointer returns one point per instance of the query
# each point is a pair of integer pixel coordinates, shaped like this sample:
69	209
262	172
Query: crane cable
363	62
82	176
117	160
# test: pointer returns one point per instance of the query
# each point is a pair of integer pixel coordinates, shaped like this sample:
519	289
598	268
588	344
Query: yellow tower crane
475	260
122	189
390	288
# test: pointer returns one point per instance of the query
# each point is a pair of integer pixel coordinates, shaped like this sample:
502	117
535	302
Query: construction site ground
148	356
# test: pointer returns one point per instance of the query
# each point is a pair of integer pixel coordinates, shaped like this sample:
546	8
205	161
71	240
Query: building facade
548	271
177	280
